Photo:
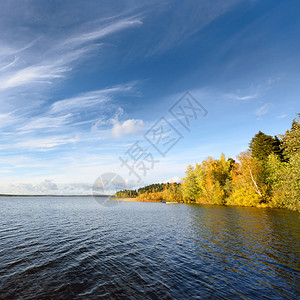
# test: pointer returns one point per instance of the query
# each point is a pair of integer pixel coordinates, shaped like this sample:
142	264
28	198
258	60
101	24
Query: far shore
133	200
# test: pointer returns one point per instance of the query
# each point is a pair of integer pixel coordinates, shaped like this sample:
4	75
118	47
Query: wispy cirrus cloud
8	119
9	64
89	99
38	144
282	116
47	122
83	101
32	75
254	90
264	109
177	29
49	60
102	32
47	143
241	98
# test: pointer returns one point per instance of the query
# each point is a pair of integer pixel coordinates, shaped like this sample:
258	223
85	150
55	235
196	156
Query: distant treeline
266	175
152	188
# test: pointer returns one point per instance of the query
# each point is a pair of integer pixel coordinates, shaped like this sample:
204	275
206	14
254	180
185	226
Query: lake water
76	248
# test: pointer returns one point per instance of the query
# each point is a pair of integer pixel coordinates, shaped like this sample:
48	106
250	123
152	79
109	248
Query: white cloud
80	102
33	74
242	98
7	119
282	116
88	99
47	143
263	109
48	185
102	32
46	122
9	64
253	91
131	126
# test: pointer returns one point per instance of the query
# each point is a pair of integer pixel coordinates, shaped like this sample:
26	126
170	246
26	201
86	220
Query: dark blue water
75	248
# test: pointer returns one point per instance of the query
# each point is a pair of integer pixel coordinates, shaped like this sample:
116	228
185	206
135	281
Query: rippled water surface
75	248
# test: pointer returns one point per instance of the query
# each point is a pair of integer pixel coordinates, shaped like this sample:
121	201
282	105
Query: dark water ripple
74	248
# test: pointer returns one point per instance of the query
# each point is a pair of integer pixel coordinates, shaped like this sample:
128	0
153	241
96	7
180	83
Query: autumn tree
208	182
247	186
213	179
173	193
190	188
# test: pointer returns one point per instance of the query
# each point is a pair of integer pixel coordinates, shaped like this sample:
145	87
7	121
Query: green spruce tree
262	145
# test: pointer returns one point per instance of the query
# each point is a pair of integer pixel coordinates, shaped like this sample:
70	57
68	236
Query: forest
267	174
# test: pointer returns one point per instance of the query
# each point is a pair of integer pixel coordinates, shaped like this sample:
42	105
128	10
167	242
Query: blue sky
83	81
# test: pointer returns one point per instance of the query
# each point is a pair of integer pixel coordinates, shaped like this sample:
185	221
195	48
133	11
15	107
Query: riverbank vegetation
266	175
154	192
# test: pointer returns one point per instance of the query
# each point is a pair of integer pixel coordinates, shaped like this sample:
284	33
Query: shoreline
260	206
133	200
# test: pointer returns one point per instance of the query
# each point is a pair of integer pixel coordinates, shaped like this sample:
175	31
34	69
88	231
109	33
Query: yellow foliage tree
244	196
246	181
